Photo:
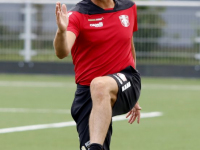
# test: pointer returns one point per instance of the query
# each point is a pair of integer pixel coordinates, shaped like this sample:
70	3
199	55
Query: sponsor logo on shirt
124	20
97	25
126	86
97	19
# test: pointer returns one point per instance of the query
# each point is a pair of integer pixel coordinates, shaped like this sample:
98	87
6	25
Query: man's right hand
61	17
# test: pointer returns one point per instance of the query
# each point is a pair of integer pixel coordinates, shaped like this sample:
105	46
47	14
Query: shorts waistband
82	86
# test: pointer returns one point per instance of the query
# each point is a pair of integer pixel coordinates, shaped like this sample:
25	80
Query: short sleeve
74	23
135	25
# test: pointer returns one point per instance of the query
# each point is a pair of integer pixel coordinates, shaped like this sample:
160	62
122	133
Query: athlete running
99	35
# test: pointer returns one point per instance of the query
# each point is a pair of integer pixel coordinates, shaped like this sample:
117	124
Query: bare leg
104	94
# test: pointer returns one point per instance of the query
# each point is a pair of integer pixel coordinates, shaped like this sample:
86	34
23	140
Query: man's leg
104	95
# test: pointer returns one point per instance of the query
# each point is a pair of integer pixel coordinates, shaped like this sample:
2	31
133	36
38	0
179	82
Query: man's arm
133	51
63	43
64	40
135	112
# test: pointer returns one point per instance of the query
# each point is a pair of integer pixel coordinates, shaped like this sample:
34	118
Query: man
99	35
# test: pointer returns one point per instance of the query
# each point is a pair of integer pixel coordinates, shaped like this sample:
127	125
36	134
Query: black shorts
129	84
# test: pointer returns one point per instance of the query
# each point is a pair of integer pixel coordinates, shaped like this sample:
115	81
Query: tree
150	24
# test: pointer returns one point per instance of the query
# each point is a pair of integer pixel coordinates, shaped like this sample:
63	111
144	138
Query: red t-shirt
103	42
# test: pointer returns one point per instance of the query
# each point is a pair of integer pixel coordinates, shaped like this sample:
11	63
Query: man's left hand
134	113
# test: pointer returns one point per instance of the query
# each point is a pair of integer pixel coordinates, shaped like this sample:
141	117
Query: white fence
169	31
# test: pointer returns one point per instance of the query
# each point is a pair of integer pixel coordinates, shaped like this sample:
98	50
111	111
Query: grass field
35	100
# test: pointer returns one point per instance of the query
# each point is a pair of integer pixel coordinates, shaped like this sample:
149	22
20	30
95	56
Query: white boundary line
30	84
67	124
170	87
27	110
35	84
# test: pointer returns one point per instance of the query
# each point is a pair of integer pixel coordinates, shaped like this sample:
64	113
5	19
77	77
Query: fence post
27	35
197	39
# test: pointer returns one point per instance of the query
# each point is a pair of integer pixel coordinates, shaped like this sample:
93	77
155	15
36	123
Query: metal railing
169	31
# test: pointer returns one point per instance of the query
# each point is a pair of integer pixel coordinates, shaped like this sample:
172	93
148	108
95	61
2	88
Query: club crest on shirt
124	20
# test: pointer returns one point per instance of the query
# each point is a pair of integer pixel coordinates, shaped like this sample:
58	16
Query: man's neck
104	4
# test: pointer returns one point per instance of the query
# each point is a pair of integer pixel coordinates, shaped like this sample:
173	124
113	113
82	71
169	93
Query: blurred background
38	88
167	42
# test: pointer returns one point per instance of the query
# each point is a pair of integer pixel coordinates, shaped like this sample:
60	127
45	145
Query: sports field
35	115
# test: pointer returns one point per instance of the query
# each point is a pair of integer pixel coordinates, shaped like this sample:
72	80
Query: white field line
35	84
170	87
26	110
67	124
70	85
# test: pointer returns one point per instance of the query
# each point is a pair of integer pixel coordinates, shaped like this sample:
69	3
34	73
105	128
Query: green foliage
2	28
196	44
150	24
9	42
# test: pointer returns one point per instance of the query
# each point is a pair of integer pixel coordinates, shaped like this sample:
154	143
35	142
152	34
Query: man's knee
99	89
